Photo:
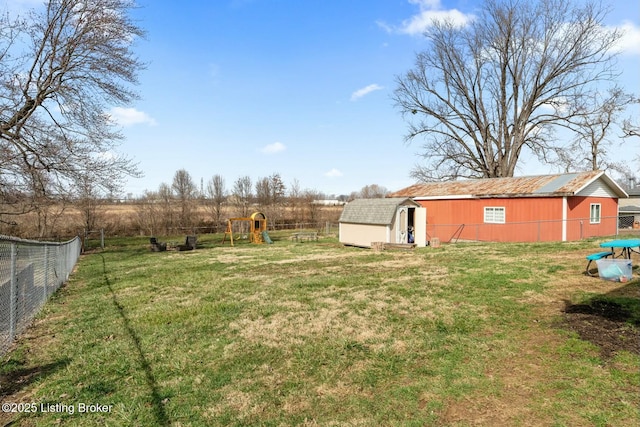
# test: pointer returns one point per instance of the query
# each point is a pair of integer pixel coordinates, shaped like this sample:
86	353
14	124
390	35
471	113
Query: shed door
420	224
401	229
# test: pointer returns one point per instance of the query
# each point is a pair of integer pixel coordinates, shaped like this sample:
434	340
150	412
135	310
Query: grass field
319	334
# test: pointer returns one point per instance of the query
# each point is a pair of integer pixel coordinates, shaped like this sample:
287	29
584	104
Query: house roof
558	185
373	211
634	192
630	209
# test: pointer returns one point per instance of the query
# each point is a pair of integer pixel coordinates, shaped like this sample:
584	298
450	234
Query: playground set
257	228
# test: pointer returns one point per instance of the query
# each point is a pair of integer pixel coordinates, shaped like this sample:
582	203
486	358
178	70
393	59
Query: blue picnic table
624	245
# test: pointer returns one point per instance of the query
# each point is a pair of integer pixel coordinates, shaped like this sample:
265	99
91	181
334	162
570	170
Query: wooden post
377	246
228	231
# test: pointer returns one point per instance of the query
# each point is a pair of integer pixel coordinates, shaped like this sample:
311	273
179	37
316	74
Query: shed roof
557	185
373	211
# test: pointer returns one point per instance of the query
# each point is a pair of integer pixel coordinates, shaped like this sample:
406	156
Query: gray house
629	209
390	220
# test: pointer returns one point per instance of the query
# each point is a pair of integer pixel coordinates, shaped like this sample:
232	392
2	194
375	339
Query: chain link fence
30	272
626	221
526	231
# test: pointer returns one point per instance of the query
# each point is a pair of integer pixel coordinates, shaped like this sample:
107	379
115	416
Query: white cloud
629	43
430	11
130	117
333	173
426	4
276	147
558	105
364	91
421	22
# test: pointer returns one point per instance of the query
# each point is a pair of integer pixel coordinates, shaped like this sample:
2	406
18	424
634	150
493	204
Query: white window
594	217
494	215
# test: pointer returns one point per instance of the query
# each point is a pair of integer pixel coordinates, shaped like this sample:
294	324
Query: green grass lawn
319	334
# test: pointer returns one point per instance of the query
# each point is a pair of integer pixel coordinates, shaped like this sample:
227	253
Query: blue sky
296	87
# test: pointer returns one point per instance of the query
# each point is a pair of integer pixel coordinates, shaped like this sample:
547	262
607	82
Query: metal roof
557	185
631	208
373	211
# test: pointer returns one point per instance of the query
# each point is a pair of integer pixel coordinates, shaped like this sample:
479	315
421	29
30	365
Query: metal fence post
13	293
46	271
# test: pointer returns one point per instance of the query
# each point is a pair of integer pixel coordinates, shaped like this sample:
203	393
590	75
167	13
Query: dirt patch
605	324
601	320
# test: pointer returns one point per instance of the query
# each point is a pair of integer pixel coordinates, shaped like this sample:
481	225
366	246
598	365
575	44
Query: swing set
257	228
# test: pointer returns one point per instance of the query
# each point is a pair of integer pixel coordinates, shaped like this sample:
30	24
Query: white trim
419	227
588	183
591	217
608	181
565	206
494	209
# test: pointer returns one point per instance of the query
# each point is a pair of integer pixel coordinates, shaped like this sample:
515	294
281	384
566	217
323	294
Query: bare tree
276	192
310	198
165	197
216	195
481	94
270	191
242	194
589	148
373	191
295	201
277	189
186	192
631	128
148	213
87	201
263	192
48	208
61	68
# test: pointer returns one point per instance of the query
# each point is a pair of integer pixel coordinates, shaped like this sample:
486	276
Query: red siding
579	210
528	219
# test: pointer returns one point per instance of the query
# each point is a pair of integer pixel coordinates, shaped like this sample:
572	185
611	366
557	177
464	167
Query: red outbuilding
560	207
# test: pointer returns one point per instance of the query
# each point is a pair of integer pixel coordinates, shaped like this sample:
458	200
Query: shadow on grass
620	305
610	321
16	377
156	398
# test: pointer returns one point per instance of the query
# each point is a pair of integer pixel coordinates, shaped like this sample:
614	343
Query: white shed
389	220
